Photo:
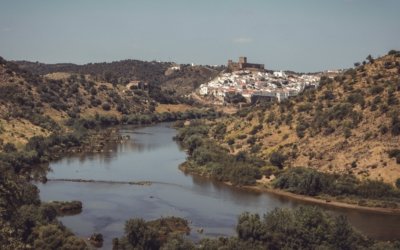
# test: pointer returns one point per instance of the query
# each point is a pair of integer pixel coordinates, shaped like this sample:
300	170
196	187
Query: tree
178	243
370	59
106	106
193	142
139	235
249	227
9	147
277	159
398	183
343	236
244	175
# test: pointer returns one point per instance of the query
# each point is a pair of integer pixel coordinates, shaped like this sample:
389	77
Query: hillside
349	125
42	118
166	85
34	105
188	78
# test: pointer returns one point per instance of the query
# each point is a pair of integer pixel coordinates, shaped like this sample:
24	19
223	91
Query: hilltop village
254	83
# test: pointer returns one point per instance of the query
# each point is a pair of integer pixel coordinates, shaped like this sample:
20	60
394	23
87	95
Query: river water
152	155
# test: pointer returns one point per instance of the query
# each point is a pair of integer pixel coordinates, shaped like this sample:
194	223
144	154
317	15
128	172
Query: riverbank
319	201
261	188
152	155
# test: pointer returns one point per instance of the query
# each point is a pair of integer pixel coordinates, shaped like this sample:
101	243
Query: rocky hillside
35	105
350	124
168	83
188	78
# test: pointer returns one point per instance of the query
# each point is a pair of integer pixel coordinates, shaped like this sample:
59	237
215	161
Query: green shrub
347	133
231	141
394	152
328	95
393	52
220	131
300	228
302	181
244	175
311	182
251	140
301	128
256	129
306	107
356	98
106	106
398	183
277	159
9	147
376	89
271	117
374	189
255	148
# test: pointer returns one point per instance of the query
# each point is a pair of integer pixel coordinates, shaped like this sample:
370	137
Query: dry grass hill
168	84
37	99
34	105
350	124
188	79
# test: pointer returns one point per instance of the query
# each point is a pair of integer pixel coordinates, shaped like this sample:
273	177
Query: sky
305	36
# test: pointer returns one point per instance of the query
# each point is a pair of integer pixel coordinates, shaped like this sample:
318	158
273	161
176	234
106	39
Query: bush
277	159
374	90
106	106
306	107
301	128
328	95
395	125
398	183
393	153
140	235
356	98
251	140
302	181
9	147
241	137
256	129
244	175
347	133
374	189
255	148
231	141
220	131
311	182
393	52
300	228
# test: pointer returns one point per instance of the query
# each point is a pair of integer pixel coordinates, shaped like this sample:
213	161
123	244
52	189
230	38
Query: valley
66	129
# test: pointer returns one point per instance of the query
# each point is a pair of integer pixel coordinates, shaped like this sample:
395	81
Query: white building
279	74
203	89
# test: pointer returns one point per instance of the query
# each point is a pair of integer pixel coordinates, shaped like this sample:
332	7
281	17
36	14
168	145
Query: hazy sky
307	35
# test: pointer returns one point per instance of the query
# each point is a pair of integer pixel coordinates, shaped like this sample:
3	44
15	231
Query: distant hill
37	98
31	104
119	72
350	124
166	85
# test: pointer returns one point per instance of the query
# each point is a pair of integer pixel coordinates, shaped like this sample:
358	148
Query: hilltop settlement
253	83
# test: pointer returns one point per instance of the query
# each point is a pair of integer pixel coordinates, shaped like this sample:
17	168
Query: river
152	155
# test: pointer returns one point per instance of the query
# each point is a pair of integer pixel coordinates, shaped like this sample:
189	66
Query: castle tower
242	59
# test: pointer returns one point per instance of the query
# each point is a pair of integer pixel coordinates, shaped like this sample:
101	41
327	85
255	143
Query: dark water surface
152	155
